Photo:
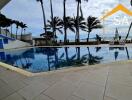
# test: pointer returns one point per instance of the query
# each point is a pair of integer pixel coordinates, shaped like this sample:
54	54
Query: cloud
29	11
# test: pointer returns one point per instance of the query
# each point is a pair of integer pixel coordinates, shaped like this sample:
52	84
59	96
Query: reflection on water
47	59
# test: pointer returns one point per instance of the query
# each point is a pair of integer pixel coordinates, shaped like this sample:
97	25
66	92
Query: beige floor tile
10	76
73	77
42	97
120	68
89	91
97	77
6	91
75	98
47	79
17	85
109	98
14	96
33	90
123	78
61	90
2	83
119	92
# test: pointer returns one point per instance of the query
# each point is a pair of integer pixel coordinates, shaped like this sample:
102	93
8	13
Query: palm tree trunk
127	53
88	50
88	55
24	31
78	53
56	60
52	18
81	11
76	35
21	33
16	32
66	52
44	18
65	36
55	34
78	38
64	18
11	31
88	36
48	59
129	31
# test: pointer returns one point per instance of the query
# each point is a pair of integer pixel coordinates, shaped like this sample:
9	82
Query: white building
6	42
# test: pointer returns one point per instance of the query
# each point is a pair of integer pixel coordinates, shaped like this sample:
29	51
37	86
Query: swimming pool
47	59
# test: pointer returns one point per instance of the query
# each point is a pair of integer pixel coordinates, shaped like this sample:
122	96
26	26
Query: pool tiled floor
99	82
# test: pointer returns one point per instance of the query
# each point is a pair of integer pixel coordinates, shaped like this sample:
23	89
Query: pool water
47	59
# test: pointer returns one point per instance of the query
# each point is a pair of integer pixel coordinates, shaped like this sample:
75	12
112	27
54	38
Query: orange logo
120	7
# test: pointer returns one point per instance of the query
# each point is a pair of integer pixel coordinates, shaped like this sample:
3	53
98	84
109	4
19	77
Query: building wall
16	44
25	37
3	31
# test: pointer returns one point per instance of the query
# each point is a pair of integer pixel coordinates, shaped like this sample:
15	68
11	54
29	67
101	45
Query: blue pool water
47	59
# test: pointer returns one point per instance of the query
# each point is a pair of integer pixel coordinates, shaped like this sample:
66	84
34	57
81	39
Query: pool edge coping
101	45
30	74
15	69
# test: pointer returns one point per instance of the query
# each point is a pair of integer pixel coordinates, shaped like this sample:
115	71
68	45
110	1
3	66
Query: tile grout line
15	91
78	97
48	97
106	83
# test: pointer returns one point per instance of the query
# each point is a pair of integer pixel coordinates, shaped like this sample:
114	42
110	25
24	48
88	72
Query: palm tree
78	7
128	57
68	24
56	24
81	24
129	26
52	16
78	53
64	19
75	60
93	59
5	23
98	49
2	19
50	52
92	23
129	31
23	26
116	54
11	22
17	27
43	11
66	53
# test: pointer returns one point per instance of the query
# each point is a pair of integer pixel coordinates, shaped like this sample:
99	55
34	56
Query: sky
29	12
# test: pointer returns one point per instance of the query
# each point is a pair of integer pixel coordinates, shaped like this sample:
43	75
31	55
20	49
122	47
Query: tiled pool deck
100	82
